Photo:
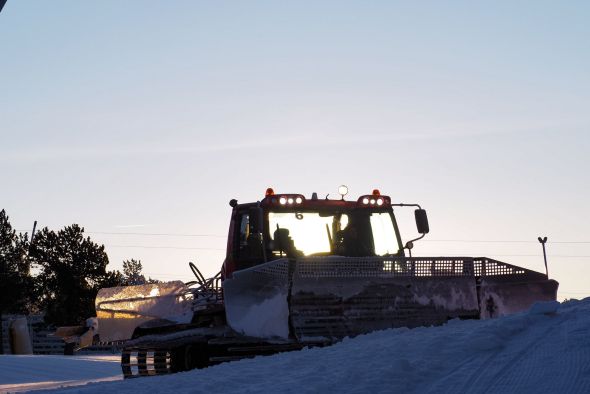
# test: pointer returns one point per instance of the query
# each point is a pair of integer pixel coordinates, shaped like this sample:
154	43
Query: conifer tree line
58	274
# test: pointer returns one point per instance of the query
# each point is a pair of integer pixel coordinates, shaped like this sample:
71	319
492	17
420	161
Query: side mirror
421	221
256	220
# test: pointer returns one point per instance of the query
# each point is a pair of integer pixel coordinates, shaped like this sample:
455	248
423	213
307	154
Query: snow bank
547	308
545	350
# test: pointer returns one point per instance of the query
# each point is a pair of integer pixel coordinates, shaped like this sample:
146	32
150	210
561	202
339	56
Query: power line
519	255
149	234
159	234
533	255
424	240
197	248
497	241
162	247
575	292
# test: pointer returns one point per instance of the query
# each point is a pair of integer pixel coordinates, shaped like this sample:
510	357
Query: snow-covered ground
545	350
24	373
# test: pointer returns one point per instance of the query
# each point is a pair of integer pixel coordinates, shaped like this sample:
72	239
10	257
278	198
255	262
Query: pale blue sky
145	116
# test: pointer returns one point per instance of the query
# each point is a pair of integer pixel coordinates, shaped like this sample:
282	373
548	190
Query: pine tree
72	270
132	272
16	283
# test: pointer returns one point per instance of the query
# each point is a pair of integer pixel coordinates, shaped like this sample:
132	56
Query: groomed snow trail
544	350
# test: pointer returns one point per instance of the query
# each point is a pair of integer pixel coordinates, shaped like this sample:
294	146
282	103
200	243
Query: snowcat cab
289	226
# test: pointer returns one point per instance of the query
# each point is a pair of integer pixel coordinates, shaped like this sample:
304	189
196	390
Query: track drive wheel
190	357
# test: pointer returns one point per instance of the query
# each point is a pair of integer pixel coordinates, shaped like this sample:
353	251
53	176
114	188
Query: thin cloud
131	225
79	153
296	139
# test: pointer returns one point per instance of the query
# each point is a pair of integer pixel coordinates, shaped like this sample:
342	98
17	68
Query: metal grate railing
276	268
406	267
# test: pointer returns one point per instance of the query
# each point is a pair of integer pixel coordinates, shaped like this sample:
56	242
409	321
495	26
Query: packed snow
544	350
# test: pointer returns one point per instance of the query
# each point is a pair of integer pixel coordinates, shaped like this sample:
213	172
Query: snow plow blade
335	297
121	309
256	300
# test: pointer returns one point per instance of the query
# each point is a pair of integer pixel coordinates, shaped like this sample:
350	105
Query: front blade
331	297
501	296
336	298
256	300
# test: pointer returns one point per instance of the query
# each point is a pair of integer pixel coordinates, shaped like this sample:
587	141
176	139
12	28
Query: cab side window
243	234
248	250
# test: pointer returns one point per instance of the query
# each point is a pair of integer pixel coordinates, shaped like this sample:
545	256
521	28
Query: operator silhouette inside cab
284	243
355	239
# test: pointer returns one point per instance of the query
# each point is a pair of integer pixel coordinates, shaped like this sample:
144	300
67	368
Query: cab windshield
355	233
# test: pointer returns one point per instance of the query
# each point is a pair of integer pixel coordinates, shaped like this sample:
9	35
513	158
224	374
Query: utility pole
34	228
543	241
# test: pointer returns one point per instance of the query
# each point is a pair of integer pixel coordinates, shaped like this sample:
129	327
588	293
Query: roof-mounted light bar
374	200
287	199
290	199
283	199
